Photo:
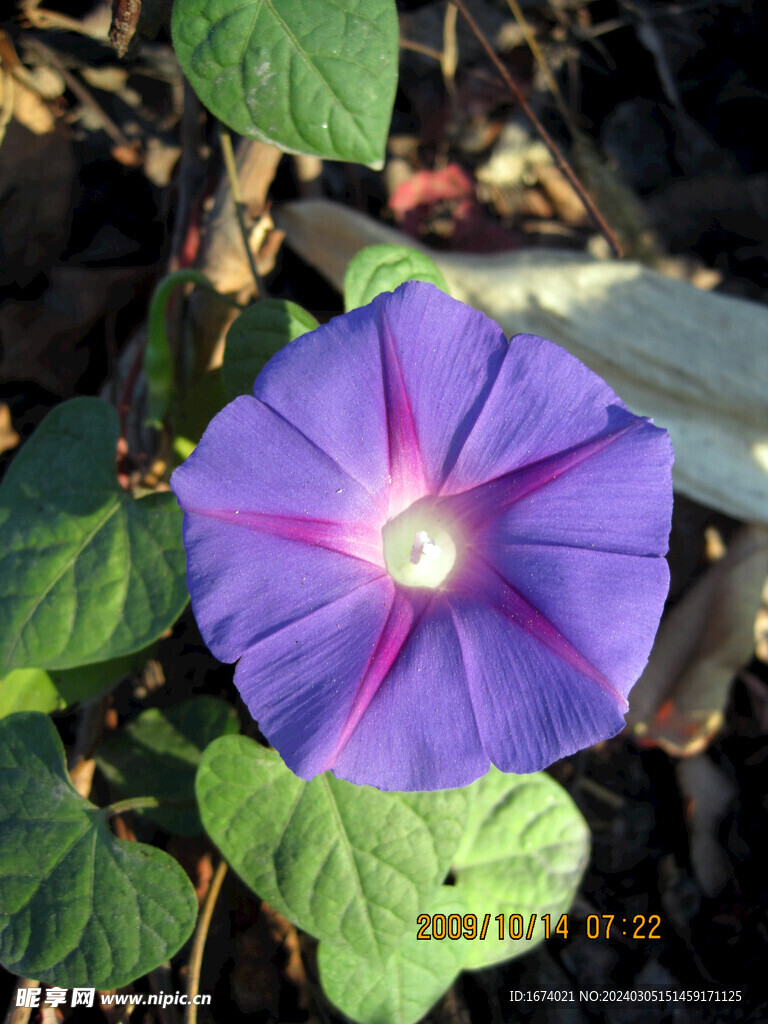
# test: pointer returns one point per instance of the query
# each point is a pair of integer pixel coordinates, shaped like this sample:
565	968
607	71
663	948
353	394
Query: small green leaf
381	268
87	574
252	340
29	689
157	754
310	76
523	852
402	987
34	689
79	907
346	863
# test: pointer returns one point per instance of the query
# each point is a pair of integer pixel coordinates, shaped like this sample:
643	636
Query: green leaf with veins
346	863
261	330
309	76
523	852
382	268
87	573
400	987
78	907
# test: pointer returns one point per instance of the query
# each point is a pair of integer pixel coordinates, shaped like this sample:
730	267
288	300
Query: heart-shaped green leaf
255	336
346	863
78	907
310	76
87	574
157	754
381	268
401	987
523	852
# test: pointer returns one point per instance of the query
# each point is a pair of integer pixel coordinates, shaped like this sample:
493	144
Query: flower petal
447	356
419	731
329	385
251	459
619	499
543	401
301	682
606	605
531	706
245	584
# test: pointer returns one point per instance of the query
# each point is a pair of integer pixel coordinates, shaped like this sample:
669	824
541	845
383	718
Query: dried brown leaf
678	701
8	436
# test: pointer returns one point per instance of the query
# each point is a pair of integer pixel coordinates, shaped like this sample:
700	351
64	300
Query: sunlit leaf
310	76
346	863
78	907
87	573
400	987
523	852
381	268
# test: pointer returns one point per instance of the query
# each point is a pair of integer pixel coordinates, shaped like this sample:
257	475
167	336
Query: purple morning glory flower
429	549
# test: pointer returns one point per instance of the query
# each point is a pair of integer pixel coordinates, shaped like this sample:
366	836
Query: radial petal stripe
406	470
393	636
487	500
354	539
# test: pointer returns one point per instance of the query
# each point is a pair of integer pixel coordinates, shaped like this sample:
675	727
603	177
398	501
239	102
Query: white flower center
419	548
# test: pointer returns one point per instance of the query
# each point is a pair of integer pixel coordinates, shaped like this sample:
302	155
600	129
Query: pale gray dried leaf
695	361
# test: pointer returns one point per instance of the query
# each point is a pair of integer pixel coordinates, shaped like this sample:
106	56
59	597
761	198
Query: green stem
133	803
158	363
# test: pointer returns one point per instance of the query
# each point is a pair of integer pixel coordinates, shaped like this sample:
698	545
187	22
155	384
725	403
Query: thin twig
546	138
427	51
533	45
198	943
240	207
449	59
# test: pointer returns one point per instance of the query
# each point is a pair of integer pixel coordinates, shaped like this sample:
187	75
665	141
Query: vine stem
546	138
198	943
132	803
158	361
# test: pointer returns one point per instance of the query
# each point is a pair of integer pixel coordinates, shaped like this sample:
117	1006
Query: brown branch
546	138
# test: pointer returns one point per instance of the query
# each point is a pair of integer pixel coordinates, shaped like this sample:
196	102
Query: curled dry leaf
678	702
695	361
